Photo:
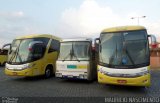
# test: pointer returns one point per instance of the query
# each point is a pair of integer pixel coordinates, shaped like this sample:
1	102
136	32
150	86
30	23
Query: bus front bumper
25	72
137	81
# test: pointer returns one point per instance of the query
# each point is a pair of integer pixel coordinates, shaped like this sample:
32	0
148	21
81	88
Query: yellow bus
33	55
124	57
3	56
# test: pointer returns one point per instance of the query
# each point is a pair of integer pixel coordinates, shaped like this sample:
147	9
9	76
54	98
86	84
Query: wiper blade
127	53
16	52
69	54
13	56
20	58
76	57
129	57
112	57
73	54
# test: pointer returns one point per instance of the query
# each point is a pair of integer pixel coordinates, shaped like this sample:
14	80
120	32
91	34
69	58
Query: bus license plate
122	81
70	76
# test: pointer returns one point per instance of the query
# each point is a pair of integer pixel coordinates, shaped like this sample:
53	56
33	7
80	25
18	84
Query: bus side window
55	44
38	51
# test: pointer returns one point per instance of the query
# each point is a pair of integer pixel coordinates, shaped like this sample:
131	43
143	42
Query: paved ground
53	87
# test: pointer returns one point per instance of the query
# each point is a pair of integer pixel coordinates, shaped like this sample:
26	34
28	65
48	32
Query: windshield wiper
73	54
69	54
19	56
112	57
15	53
127	53
75	57
129	56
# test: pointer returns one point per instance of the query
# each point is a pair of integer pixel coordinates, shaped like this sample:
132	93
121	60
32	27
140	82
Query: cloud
12	14
4	41
15	24
91	18
88	20
154	28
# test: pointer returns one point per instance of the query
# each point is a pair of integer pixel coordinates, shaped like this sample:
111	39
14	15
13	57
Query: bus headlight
58	74
26	66
142	73
7	66
85	76
103	72
81	76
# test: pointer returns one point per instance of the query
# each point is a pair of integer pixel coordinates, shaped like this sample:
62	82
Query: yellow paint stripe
82	66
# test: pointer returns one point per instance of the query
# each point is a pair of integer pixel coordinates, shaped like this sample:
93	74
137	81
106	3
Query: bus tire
48	71
4	64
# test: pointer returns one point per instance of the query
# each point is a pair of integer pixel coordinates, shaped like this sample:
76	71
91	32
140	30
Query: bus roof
39	35
77	39
123	28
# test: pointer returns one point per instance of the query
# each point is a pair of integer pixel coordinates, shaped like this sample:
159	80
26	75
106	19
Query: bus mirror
5	45
97	42
153	41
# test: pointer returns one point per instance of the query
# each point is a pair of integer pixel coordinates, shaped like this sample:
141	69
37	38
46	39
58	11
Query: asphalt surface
55	87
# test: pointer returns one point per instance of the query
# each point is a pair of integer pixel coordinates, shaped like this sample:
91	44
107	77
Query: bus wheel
48	72
4	64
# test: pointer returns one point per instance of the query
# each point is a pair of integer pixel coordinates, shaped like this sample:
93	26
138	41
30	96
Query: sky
74	18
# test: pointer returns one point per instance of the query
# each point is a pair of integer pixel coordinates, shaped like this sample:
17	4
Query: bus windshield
74	51
124	49
21	53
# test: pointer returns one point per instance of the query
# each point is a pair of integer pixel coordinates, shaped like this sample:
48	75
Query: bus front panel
27	69
132	77
72	69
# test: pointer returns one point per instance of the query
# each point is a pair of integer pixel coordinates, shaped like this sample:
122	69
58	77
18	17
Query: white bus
76	59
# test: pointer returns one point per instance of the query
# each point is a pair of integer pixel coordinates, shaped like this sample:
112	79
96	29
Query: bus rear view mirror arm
97	44
153	39
97	40
5	45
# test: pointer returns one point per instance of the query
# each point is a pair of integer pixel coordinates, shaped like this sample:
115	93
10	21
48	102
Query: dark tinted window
55	44
21	51
135	35
38	51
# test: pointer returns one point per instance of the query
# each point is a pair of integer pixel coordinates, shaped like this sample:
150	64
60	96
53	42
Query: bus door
37	49
52	54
